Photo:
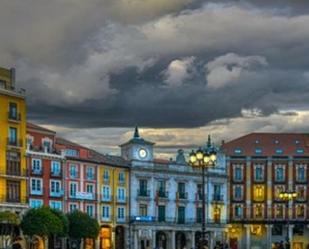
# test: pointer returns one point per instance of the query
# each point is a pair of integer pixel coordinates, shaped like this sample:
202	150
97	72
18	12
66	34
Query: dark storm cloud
102	64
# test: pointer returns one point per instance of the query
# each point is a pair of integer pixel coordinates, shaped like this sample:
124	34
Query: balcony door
13	191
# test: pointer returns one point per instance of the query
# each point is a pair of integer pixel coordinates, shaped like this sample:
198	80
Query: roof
38	128
268	144
137	139
94	156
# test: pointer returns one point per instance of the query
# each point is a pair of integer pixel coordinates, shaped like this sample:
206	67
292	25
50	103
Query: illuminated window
300	211
279	189
301	192
259	192
258	211
279	211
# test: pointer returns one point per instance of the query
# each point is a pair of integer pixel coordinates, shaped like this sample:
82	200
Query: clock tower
137	148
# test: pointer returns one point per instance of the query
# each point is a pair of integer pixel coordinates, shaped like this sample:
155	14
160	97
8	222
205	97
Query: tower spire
136	133
209	142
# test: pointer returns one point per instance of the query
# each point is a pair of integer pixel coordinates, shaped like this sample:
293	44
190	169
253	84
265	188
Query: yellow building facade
13	175
113	204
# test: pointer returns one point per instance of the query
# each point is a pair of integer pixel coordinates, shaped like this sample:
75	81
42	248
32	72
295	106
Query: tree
8	223
42	222
82	226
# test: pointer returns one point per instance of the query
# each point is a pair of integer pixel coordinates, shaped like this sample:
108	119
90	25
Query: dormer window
276	141
46	144
258	151
257	141
238	151
29	142
296	141
300	151
71	152
279	151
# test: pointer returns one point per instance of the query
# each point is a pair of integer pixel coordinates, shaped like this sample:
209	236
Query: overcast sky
180	69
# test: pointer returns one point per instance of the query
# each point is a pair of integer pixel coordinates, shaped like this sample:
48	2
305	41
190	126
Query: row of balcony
274	200
179	195
264	180
14	199
175	220
15	171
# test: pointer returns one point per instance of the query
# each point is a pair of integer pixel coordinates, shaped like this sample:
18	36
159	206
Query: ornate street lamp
204	158
288	197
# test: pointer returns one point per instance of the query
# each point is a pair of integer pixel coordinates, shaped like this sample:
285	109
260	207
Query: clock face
142	153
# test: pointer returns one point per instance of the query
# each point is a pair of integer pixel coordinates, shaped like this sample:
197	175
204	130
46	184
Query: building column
211	239
193	239
291	233
173	240
135	242
153	233
247	236
269	235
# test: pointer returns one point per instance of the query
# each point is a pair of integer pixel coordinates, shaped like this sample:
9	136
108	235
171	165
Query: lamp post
203	158
288	197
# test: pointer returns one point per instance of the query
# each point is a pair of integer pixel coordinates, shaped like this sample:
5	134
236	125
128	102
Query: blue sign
144	218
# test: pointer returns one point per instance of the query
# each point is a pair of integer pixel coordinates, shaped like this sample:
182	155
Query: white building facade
166	199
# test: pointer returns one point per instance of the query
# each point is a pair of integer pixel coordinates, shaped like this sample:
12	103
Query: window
121	177
55	205
55	188
73	189
217	192
299	151
238	211
120	214
89	210
143	191
259	192
13	191
199	214
238	151
46	143
90	173
13	163
71	152
181	215
121	194
73	171
279	151
278	190
90	188
106	175
161	213
258	172
13	111
143	210
301	172
36	166
258	211
161	189
12	136
301	192
238	192
279	211
73	207
279	173
258	151
35	203
36	186
105	212
29	142
238	174
106	193
200	191
55	168
182	190
300	211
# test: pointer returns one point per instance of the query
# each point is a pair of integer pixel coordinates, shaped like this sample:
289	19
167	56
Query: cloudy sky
180	69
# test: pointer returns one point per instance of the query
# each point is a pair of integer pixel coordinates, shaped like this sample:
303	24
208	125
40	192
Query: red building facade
260	167
80	176
45	168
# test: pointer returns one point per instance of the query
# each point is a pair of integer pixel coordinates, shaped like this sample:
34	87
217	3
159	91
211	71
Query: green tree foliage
82	226
65	222
42	222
